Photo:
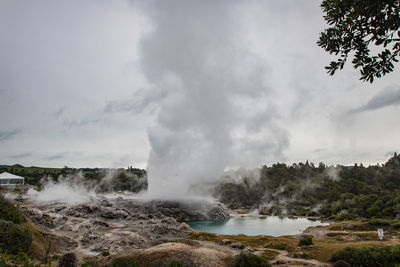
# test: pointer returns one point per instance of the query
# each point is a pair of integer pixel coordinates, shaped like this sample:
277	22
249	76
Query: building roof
6	175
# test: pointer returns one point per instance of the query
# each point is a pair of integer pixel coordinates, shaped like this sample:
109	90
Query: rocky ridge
116	225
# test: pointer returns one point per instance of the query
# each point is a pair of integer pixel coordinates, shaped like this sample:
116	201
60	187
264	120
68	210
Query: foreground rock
118	225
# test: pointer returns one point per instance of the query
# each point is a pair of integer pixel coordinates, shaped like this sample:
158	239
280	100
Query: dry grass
269	254
288	243
344	234
323	249
39	244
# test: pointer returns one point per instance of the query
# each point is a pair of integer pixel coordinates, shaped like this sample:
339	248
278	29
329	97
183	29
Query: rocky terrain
117	225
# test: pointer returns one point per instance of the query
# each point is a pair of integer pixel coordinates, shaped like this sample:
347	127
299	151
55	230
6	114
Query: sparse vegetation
379	222
369	256
105	253
124	262
14	238
306	241
250	260
9	212
68	260
175	263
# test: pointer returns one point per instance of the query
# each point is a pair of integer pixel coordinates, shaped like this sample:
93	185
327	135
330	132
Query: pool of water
270	225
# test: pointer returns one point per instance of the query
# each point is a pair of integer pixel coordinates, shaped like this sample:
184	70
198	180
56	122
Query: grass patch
369	256
379	222
323	249
250	260
282	242
269	254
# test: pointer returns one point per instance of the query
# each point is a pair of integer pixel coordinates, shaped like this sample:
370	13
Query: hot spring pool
270	225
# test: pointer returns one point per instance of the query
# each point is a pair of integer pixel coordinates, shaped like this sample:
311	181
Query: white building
10	179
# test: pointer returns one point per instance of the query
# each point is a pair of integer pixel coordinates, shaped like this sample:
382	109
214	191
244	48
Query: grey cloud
6	135
136	103
80	123
22	155
62	155
59	112
389	96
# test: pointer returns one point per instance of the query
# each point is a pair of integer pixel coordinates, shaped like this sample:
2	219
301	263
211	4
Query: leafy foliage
356	26
9	212
11	260
306	241
14	238
250	260
303	189
369	256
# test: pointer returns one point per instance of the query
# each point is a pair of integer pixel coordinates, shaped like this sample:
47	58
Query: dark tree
369	29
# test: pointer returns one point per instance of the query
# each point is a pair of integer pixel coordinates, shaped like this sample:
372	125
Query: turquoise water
271	225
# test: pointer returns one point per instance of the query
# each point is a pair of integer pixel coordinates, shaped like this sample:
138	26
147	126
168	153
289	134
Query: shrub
175	263
68	260
250	260
346	216
306	241
396	225
105	253
9	212
124	262
14	238
379	222
369	256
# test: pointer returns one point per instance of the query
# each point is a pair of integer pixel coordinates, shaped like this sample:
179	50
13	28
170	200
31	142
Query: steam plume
214	111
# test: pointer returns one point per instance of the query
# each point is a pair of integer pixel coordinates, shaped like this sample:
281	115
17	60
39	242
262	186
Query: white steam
75	188
68	189
214	110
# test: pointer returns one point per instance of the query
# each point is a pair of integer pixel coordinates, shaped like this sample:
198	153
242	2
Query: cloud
59	112
62	155
7	135
390	96
136	103
81	123
22	155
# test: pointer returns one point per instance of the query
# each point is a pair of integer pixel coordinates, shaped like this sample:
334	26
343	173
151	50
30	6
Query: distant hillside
130	179
304	189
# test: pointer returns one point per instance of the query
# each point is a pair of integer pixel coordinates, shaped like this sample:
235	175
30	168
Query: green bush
379	222
20	259
105	253
396	225
14	238
306	241
124	262
250	260
175	263
346	216
9	212
369	256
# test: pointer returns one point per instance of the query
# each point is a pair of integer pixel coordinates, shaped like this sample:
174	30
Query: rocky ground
154	232
117	225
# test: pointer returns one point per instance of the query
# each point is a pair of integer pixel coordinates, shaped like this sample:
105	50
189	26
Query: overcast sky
183	85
